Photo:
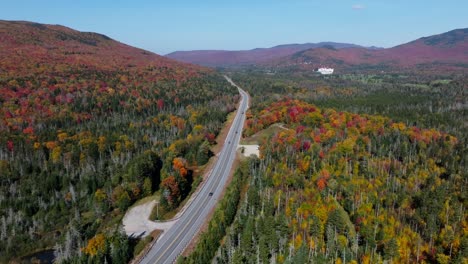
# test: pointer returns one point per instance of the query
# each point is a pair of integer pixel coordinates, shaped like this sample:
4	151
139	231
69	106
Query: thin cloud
358	7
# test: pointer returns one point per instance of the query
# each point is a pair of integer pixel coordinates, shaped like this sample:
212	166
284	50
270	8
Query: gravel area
136	221
250	150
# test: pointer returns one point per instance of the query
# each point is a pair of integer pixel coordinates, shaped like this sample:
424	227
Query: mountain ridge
65	47
216	58
447	51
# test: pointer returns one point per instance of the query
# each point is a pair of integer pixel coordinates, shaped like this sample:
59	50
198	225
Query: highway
171	245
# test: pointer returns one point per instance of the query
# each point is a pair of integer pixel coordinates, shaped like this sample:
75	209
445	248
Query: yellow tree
95	245
56	153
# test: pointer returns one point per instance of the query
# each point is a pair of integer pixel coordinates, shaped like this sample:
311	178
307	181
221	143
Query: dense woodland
338	186
353	186
78	148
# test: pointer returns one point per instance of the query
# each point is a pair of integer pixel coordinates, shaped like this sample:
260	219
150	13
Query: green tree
391	249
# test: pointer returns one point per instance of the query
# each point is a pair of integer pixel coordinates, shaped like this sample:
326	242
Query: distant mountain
222	58
447	51
25	46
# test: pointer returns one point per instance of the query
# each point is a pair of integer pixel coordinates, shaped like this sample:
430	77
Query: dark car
210	194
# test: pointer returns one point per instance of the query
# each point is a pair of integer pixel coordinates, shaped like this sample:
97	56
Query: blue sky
166	26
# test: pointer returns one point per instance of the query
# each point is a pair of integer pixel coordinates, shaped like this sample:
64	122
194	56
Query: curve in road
176	239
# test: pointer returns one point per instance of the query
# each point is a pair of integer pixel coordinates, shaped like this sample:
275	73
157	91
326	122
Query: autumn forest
351	176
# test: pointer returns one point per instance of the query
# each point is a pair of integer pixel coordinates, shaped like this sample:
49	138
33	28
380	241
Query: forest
368	169
78	148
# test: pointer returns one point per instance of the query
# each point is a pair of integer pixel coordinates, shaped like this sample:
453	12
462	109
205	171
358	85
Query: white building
325	70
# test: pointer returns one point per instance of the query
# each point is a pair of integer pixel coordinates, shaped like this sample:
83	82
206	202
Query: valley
99	139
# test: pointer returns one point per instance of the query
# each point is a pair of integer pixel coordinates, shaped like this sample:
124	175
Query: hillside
223	58
24	46
58	55
443	52
339	187
88	126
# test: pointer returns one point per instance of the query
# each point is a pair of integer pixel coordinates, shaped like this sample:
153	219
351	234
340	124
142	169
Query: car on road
210	194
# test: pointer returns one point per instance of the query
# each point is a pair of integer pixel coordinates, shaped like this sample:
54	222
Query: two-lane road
173	243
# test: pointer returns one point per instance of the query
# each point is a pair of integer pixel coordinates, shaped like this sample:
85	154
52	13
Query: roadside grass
142	245
154	197
262	135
